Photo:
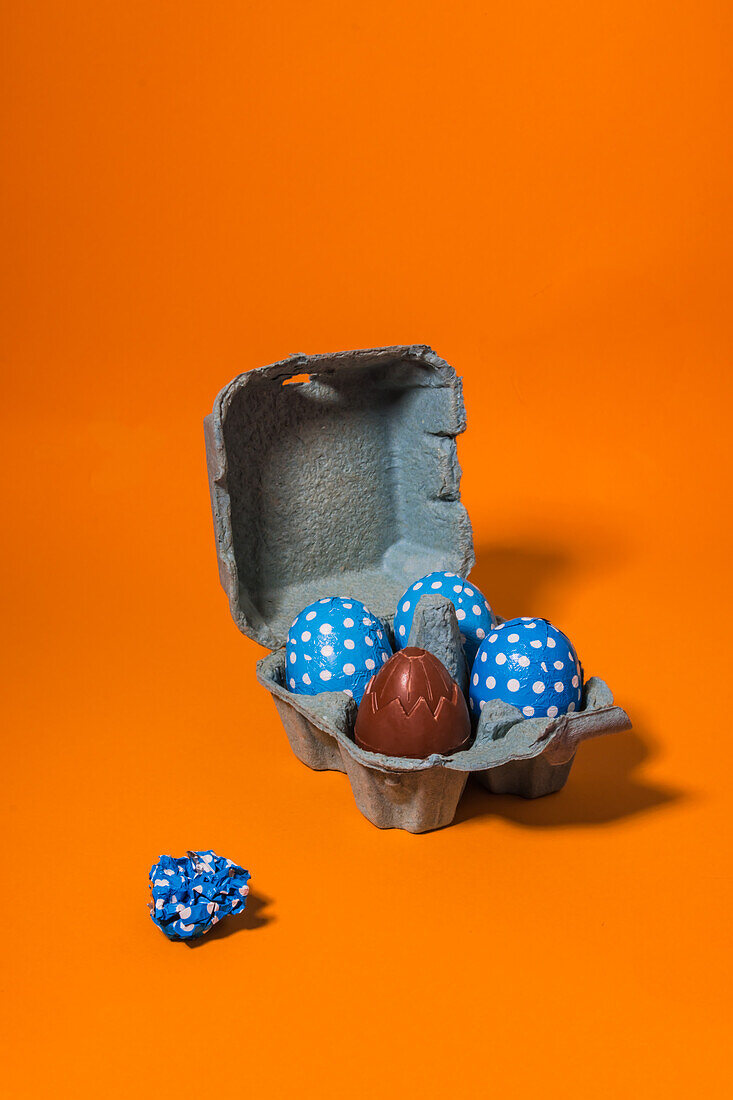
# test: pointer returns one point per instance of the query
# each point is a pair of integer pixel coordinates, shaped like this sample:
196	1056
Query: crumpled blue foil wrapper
192	894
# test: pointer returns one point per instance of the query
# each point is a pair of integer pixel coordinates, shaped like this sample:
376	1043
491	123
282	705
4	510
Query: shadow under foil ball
412	707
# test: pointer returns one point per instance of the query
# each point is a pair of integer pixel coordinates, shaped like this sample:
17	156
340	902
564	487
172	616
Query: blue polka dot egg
475	617
335	644
530	664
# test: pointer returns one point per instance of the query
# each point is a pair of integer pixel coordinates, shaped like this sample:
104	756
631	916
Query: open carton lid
343	483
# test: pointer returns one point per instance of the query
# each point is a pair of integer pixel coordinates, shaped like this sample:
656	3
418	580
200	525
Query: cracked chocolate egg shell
412	707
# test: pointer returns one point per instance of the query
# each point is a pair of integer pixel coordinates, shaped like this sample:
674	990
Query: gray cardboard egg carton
347	483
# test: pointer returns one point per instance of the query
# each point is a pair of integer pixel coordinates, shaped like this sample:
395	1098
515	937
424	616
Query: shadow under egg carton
338	474
510	754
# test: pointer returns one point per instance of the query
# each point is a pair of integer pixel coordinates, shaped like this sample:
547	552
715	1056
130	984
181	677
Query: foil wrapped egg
412	707
335	644
473	611
531	664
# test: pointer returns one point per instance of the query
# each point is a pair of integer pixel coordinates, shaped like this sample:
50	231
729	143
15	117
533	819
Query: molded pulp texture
347	483
343	485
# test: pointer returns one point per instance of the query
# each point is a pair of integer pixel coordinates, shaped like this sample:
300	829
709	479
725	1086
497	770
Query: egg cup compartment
510	754
392	792
532	757
337	475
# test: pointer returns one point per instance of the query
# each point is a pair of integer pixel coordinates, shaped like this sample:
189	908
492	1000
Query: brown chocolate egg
412	707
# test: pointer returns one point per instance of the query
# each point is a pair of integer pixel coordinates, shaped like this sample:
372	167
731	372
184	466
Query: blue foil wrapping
192	894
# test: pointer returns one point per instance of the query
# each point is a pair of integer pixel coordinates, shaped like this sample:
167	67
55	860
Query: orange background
541	192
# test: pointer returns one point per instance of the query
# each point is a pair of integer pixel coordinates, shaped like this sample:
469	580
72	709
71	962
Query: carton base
313	747
526	778
415	801
510	755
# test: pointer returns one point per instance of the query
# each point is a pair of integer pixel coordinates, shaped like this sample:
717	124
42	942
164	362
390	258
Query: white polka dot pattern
192	893
520	660
472	610
335	645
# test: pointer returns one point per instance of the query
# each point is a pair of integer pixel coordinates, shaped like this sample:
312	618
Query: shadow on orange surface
254	917
515	578
602	787
512	577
